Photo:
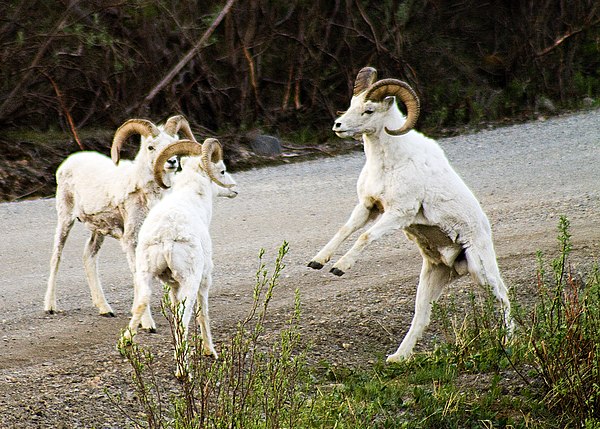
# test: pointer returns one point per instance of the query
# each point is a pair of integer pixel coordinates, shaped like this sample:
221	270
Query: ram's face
172	165
152	146
194	164
362	117
225	178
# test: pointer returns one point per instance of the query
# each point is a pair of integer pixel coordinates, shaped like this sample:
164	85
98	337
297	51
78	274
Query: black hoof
336	271
315	265
109	314
150	330
50	312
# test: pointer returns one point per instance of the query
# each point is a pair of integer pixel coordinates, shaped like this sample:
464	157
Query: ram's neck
194	199
374	152
135	177
193	186
383	151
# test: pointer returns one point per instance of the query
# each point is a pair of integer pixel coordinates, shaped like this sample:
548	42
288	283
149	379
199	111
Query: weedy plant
565	335
477	341
475	377
254	384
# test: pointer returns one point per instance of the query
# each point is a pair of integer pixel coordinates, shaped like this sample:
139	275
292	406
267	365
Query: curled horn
401	90
180	147
212	152
142	127
179	123
364	79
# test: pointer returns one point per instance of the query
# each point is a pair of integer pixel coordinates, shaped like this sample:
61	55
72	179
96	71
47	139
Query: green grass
546	376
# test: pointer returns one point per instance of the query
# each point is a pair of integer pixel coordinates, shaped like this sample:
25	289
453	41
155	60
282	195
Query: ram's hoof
336	271
50	312
315	265
109	314
152	330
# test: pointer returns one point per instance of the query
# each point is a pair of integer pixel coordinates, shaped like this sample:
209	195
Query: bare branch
65	110
558	42
187	58
10	105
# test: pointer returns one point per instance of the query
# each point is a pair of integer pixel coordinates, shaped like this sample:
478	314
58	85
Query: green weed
565	335
545	376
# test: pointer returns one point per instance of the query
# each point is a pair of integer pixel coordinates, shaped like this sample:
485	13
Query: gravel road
54	369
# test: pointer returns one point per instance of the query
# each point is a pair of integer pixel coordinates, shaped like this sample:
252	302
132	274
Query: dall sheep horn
179	147
142	127
179	123
364	79
212	152
403	91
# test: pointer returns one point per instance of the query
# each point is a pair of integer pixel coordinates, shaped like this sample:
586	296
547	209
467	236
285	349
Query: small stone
265	145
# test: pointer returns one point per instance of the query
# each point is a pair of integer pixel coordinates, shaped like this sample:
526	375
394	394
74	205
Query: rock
264	145
588	102
544	104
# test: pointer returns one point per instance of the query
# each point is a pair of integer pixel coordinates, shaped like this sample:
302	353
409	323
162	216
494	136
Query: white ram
174	243
408	184
110	198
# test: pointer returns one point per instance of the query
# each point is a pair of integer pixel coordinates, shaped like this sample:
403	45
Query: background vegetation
288	65
72	71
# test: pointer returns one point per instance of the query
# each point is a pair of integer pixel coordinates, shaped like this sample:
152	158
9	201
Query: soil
61	370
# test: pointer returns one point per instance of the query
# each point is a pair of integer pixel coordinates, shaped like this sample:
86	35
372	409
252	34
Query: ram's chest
374	194
369	186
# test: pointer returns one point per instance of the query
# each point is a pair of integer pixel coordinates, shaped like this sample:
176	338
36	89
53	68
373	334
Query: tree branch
10	104
564	37
65	110
186	59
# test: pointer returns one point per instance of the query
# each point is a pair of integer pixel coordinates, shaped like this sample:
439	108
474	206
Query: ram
408	184
174	243
110	197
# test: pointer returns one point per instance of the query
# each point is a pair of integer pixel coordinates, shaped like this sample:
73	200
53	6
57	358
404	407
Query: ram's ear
388	102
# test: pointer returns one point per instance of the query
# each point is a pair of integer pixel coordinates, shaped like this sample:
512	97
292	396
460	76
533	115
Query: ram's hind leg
90	263
483	268
433	279
183	292
203	318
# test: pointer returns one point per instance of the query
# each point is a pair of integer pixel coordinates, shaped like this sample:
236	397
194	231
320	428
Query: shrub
254	383
565	335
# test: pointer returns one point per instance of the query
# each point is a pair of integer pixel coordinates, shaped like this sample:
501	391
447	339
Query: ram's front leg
386	224
359	216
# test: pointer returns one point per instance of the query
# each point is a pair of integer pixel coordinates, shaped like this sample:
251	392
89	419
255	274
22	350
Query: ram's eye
222	172
150	147
368	112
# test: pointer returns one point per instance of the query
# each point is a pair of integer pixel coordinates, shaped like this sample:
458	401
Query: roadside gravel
54	369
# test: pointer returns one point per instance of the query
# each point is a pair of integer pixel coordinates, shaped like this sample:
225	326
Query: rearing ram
407	183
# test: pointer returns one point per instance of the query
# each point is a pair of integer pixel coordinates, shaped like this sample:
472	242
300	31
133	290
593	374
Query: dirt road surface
54	369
